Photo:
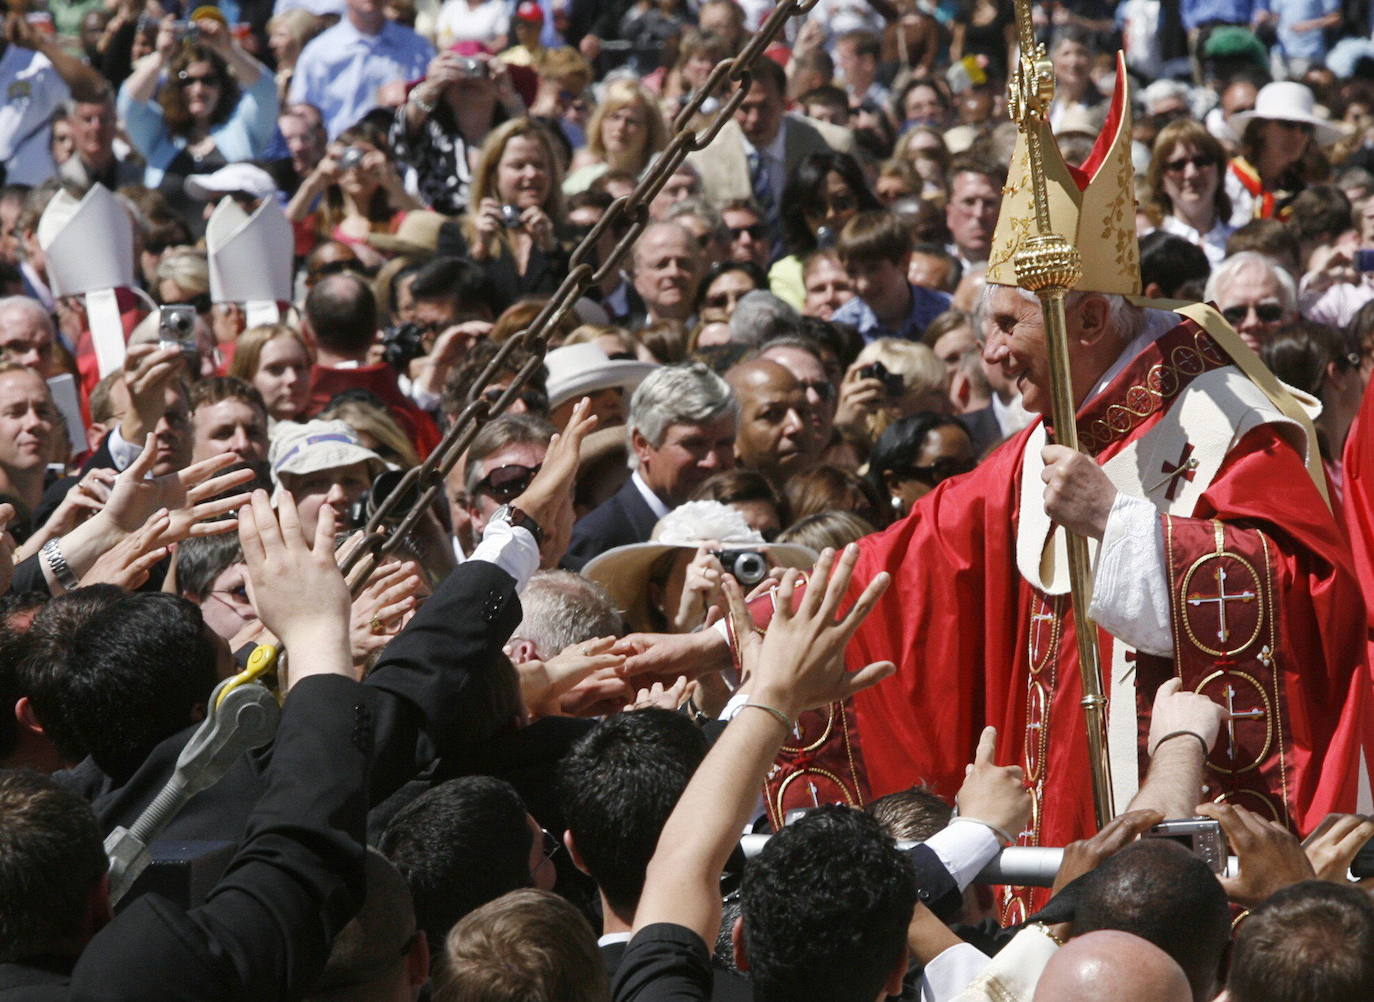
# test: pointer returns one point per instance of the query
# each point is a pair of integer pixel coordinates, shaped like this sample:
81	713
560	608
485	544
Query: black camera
510	215
1202	837
360	512
893	384
748	567
402	344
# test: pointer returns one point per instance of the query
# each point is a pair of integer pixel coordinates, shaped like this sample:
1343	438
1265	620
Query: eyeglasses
185	79
1178	166
756	232
239	594
724	300
532	399
1268	313
938	471
506	483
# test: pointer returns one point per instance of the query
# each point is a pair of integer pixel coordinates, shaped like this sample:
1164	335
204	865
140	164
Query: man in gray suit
753	155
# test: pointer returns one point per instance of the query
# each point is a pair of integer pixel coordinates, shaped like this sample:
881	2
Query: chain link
630	212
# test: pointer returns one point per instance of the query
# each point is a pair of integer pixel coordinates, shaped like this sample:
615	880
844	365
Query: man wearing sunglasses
1254	294
501	463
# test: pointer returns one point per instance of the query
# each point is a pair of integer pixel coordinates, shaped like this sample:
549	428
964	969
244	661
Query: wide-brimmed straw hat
1287	101
625	571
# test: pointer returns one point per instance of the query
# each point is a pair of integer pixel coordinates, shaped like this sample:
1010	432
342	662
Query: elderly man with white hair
1215	559
1254	294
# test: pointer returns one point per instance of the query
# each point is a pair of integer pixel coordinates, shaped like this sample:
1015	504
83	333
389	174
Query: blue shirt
340	71
926	305
1200	12
1309	45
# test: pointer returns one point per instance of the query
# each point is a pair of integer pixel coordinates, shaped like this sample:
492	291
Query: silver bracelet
57	563
421	103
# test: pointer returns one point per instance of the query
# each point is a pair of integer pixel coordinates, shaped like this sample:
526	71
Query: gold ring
377	625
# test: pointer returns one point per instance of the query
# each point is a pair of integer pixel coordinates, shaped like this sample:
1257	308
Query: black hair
900	444
457	278
1320	212
803	189
13	605
201	559
755	273
51	858
826	909
1170	261
618	785
112	675
1159	891
459	845
1310	942
342	312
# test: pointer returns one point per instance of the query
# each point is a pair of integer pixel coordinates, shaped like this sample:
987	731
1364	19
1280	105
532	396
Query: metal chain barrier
630	211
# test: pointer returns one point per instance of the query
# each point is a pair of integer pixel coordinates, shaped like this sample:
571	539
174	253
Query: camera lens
750	567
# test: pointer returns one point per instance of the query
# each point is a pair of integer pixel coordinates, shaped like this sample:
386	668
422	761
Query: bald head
667	267
1136	970
775	436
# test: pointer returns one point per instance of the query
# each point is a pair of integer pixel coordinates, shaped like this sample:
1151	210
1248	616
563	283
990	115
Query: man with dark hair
1311	942
341	315
1321	214
875	249
618	785
228	415
461	844
857	55
1168	262
1159	891
211	574
826	103
501	463
453	303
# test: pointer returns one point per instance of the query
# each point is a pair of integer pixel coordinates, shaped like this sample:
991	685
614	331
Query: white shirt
1213	242
460	22
654	502
511	548
32	91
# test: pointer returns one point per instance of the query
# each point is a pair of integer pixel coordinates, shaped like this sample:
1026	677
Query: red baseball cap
530	11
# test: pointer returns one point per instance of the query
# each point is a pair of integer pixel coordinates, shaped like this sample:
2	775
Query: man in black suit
681	432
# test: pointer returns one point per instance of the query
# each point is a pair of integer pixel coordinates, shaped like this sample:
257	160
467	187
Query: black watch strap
513	515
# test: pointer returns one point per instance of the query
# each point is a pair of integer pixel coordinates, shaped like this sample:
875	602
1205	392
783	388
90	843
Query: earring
896	503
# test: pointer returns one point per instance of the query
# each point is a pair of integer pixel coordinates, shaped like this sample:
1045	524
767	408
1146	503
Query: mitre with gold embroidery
1092	206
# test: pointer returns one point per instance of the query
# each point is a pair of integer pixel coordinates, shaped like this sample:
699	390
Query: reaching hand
1270	856
543	682
658	697
184	494
85	498
1087	854
127	564
665	656
297	588
801	661
549	497
994	794
148	371
1334	843
1176	710
383	608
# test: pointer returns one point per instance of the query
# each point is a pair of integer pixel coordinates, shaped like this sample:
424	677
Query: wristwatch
512	515
57	563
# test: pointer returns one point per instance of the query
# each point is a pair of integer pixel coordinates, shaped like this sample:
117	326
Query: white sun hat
1287	101
578	369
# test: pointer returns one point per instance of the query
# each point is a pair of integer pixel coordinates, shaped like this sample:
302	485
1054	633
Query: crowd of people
789	456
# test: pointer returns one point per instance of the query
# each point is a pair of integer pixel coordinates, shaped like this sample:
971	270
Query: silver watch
52	552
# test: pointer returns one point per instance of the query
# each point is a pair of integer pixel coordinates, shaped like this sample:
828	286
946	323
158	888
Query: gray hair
761	316
703	210
689	393
562	608
1164	90
1226	272
1128	320
23	304
508	429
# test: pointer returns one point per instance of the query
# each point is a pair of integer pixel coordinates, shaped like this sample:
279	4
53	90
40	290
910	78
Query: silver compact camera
1202	837
351	158
176	327
473	69
748	567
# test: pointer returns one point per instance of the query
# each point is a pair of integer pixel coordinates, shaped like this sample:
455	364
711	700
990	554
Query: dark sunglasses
722	300
1179	165
1269	313
506	483
823	388
532	399
939	471
185	79
756	232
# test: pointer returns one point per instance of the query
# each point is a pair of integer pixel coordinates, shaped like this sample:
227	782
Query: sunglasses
185	79
939	471
1178	166
532	399
823	388
506	483
723	300
1269	313
756	232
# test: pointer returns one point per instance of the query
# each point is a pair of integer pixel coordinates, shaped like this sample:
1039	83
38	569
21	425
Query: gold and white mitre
1091	206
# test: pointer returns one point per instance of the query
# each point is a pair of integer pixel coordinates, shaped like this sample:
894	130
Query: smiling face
522	173
27	421
1190	181
201	87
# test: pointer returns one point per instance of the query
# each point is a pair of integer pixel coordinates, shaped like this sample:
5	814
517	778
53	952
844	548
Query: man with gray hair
561	609
1254	294
680	432
26	334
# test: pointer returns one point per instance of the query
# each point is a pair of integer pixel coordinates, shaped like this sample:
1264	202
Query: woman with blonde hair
287	34
626	130
1185	187
890	379
275	360
375	430
697	55
515	205
183	276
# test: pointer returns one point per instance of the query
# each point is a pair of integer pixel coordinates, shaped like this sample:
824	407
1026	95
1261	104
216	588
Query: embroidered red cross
1184	469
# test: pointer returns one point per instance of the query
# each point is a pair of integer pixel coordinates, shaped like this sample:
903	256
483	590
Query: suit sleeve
266	928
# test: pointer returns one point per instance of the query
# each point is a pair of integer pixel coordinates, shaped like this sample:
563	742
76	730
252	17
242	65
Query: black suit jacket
266	929
624	518
726	986
432	680
983	429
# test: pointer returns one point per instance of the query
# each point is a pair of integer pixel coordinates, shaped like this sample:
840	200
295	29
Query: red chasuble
1267	617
